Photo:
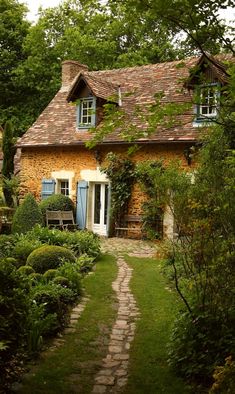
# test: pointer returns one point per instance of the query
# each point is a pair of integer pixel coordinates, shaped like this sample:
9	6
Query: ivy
121	172
152	208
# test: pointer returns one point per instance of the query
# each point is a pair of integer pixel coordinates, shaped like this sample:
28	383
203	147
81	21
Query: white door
100	208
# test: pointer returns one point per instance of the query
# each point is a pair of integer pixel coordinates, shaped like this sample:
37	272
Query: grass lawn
149	372
71	367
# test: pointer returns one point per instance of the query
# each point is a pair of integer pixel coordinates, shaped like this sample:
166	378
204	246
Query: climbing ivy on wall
152	209
121	172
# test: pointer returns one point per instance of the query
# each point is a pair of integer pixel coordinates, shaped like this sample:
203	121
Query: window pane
86	111
97	204
64	187
208	101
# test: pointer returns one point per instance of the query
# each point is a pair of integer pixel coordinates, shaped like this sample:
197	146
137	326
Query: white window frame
65	190
86	116
205	110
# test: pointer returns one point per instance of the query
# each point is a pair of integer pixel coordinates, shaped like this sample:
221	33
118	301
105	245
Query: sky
33	6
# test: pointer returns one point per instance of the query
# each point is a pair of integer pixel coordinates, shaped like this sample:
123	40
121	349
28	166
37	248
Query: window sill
204	122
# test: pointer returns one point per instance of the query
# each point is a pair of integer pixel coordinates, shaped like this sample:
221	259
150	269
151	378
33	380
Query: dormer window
208	102
86	113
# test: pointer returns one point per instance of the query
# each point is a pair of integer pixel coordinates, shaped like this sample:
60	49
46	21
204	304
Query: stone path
113	375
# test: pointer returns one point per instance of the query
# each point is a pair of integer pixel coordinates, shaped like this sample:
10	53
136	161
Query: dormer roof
98	87
211	68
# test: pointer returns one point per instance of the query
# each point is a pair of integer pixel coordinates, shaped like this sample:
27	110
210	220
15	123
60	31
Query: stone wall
39	163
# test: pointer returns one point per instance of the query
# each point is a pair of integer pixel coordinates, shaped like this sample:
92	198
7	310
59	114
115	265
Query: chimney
70	68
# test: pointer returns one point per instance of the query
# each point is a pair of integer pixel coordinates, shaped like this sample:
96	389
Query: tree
200	20
13	30
8	162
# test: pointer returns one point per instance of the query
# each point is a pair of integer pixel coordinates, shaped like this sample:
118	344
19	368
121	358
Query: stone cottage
54	156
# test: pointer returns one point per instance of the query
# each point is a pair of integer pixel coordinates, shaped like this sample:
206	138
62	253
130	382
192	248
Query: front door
100	208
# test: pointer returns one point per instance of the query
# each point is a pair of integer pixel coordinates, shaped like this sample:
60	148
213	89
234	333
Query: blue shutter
48	188
82	188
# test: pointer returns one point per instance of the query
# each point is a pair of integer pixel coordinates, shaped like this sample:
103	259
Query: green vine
121	172
152	208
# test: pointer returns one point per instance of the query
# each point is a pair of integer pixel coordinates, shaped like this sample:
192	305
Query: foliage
84	243
56	300
26	216
14	29
39	325
56	202
8	150
23	247
224	377
148	174
61	280
72	273
50	274
11	186
200	21
80	242
35	278
7	243
26	270
200	343
49	257
85	263
14	307
121	173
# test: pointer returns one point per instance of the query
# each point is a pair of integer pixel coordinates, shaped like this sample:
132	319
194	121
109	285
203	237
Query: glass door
100	208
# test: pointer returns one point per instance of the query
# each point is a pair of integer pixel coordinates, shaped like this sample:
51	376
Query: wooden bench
63	220
127	225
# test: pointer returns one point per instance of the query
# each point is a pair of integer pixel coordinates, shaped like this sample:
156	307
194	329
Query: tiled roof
99	87
57	123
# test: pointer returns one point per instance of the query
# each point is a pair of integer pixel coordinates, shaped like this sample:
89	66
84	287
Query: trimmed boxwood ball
26	270
56	202
49	257
27	215
62	281
50	274
13	261
35	278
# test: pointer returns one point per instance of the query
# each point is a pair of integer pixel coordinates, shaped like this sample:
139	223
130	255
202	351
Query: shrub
48	236
13	261
56	202
62	281
39	325
26	270
14	309
56	300
50	274
224	377
81	242
198	344
85	263
72	273
7	243
84	242
26	216
49	257
23	248
35	278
